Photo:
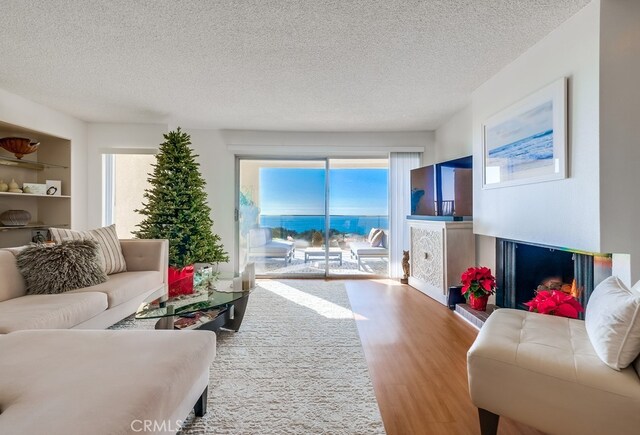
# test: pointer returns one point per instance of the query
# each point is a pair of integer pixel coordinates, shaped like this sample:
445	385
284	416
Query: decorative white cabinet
440	252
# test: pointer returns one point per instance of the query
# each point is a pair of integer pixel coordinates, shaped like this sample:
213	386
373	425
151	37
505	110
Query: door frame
327	218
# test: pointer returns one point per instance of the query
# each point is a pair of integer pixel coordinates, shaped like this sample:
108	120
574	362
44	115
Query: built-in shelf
31	226
28	164
26	195
52	161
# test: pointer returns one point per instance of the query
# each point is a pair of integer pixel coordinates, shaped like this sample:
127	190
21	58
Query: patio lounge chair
360	250
262	245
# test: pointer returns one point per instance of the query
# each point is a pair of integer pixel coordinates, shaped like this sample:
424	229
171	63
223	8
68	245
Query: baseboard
429	290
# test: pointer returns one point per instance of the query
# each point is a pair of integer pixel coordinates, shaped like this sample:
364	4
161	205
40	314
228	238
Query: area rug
295	367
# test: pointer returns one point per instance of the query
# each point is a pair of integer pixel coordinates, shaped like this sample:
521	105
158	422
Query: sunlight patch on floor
321	306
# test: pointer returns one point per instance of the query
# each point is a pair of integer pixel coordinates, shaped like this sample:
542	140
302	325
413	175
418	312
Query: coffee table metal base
229	317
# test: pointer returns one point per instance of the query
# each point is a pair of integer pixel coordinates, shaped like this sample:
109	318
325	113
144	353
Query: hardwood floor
416	351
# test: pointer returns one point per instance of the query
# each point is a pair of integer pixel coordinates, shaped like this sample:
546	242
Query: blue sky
301	191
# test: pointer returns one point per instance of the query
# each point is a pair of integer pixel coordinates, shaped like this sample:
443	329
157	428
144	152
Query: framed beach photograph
527	142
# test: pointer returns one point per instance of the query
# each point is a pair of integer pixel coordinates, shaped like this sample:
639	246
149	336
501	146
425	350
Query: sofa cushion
11	282
122	287
51	269
98	382
111	253
60	311
612	319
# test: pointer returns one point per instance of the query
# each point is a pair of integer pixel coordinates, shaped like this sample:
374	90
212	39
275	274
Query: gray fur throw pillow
52	269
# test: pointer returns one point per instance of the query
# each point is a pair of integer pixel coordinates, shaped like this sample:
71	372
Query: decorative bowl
19	146
15	218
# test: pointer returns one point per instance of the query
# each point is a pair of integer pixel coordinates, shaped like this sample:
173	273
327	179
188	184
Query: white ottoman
542	370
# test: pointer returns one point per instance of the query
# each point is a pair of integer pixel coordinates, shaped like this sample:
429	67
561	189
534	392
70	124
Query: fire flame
575	290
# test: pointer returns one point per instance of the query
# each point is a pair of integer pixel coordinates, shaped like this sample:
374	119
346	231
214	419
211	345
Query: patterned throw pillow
53	269
111	255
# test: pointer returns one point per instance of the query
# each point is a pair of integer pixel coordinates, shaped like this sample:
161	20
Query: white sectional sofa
61	373
95	307
71	382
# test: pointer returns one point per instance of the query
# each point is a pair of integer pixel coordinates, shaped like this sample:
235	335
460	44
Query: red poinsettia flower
556	303
478	281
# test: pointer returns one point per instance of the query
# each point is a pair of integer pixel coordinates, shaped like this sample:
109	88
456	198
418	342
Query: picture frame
34	188
527	142
54	188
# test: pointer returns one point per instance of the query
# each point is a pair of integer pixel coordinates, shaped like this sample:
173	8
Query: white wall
327	143
25	113
217	166
454	139
561	213
619	122
217	149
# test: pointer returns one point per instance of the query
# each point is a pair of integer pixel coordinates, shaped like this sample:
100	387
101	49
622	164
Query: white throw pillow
612	319
111	255
376	238
371	233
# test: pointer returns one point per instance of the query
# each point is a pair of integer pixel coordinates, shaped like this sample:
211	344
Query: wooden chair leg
200	408
488	422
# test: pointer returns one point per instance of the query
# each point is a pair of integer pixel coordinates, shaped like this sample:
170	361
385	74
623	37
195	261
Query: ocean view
344	224
533	148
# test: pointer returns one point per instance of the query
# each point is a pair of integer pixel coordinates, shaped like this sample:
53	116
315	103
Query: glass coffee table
204	309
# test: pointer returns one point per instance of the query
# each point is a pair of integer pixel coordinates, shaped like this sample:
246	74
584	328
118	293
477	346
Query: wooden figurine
405	267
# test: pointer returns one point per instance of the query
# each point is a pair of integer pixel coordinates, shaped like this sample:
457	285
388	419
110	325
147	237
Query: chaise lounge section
66	382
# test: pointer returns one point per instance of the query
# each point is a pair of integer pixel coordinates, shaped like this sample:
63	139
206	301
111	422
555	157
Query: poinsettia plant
478	281
556	303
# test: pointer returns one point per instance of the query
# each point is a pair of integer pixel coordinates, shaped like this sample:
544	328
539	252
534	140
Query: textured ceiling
266	64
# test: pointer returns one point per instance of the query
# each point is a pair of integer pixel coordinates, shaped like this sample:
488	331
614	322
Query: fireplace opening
539	268
522	268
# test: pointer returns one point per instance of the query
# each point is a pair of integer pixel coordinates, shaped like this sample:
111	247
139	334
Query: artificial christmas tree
175	208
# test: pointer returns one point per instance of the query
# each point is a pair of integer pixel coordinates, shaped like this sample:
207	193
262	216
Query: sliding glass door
312	218
358	204
281	215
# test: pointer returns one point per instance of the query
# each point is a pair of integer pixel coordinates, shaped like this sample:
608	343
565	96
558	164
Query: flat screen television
443	189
